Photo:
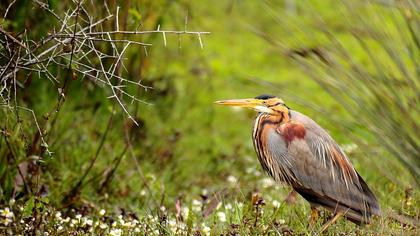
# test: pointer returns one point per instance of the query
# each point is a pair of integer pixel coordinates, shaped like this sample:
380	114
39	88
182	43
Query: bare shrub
77	46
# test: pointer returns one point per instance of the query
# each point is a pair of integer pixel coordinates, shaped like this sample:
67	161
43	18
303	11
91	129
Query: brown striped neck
280	118
262	126
264	119
275	120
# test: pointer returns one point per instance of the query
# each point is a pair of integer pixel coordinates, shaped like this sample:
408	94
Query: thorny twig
77	38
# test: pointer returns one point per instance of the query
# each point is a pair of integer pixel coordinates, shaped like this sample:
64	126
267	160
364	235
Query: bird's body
300	153
294	149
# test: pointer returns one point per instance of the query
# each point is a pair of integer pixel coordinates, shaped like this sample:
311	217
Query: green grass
189	155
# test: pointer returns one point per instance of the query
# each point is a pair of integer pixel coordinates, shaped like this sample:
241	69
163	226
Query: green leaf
29	206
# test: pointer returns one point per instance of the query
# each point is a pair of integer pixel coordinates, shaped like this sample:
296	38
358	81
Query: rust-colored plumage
294	149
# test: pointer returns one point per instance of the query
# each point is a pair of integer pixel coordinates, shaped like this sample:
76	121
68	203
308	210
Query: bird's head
264	103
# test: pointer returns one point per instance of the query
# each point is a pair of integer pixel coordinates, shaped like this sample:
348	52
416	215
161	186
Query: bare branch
78	43
11	37
145	32
8	8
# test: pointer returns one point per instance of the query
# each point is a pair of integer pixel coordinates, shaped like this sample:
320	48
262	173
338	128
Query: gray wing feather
307	164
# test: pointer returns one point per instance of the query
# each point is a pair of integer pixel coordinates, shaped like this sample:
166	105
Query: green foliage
28	208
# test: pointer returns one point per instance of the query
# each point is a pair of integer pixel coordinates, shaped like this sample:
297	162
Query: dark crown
264	97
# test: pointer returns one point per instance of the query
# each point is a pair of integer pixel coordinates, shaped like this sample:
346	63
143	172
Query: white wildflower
232	179
103	226
206	230
172	222
127	224
172	225
121	221
196	205
222	216
60	228
6	221
142	193
78	216
115	232
276	203
58	215
137	230
152	218
6	213
89	222
102	212
268	182
281	221
228	206
196	202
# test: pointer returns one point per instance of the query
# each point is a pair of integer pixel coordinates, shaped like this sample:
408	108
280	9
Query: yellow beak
255	104
247	103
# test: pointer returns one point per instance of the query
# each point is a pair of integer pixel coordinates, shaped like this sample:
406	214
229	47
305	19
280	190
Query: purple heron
294	149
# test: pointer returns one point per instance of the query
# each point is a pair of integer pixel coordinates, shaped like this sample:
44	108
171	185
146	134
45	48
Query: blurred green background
350	66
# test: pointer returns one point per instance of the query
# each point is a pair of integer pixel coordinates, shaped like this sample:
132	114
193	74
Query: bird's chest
267	138
267	144
276	146
260	135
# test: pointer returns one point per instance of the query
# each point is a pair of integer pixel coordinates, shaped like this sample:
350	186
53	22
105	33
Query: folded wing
318	169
